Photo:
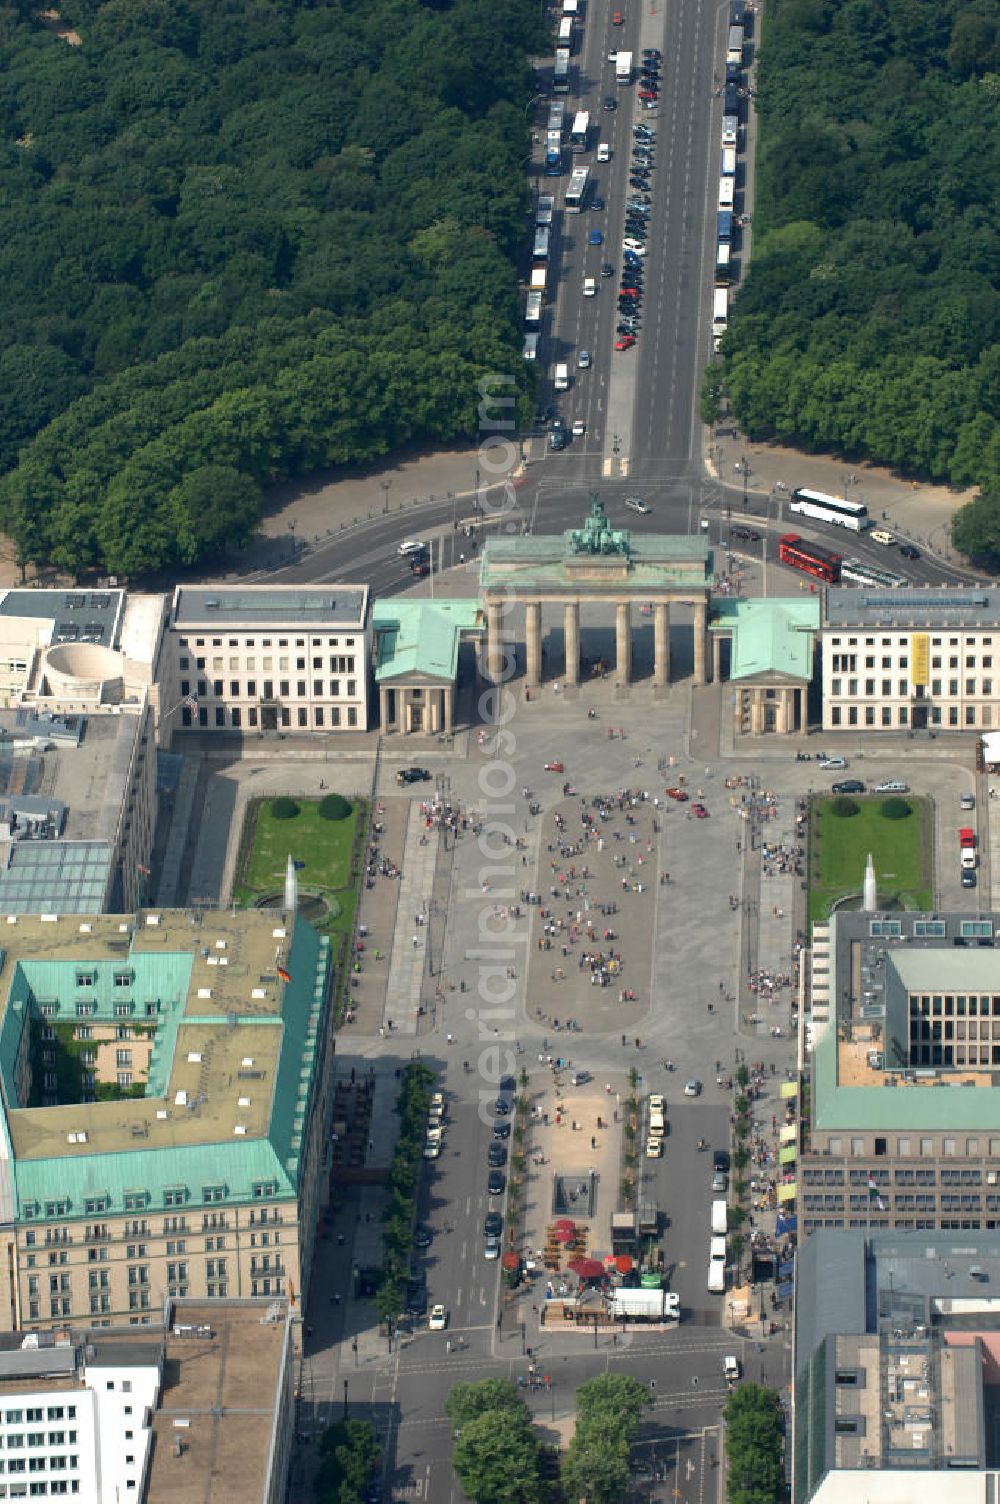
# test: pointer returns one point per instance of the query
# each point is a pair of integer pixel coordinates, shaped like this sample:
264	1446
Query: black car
610	102
909	552
720	1160
849	786
652	52
968	877
597	203
496	1180
493	1226
501	1130
422	1236
412	775
507	1083
557	440
496	1156
501	1107
746	534
607	270
416	1296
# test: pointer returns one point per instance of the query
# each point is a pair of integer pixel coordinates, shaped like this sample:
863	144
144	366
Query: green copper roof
235	1069
421	637
769	636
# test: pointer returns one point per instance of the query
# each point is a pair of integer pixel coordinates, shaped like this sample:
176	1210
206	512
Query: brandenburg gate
596	563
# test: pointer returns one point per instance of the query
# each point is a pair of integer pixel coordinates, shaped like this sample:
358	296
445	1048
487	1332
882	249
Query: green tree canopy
496	1459
595	1467
975	530
754	1446
467	1402
868	321
243	243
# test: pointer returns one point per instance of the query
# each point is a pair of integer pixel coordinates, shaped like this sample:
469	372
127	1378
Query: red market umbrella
609	1261
623	1263
565	1234
566	1222
511	1260
587	1268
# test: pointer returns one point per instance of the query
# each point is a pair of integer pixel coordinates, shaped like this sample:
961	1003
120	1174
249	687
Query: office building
252	659
897	1369
903	1121
166	1101
911	659
197	1405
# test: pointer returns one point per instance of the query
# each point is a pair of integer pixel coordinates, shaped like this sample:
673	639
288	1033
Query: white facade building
76	1419
251	659
913	659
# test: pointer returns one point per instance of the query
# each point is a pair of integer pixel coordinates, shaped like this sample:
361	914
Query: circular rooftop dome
85	668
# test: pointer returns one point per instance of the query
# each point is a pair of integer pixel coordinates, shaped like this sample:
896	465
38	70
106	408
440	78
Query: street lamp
744	468
385	484
345	1399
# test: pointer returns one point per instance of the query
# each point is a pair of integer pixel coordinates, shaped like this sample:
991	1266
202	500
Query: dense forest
869	322
243	240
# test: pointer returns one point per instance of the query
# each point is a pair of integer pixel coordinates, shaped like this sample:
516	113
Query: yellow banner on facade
920	645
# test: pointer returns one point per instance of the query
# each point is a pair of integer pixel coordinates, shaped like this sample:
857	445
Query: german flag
286	976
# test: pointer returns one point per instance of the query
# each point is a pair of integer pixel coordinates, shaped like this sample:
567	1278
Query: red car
700	811
618	19
647	93
625	343
678	794
554	767
628	292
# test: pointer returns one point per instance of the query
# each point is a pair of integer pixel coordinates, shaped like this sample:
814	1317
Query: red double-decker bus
811	558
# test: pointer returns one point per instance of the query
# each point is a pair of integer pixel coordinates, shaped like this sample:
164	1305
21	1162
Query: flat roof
325	607
233	1065
935	607
875	962
77	615
225	1390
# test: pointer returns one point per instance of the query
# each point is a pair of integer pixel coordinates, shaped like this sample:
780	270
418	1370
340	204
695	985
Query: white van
720	1218
561	381
716	1281
656	1124
717	1249
566	32
530	351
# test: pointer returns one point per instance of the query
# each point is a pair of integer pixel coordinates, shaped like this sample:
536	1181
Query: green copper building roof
769	636
422	637
238	1003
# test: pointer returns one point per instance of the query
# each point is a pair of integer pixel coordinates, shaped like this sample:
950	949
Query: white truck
649	1305
720	1218
720	318
623	68
561	381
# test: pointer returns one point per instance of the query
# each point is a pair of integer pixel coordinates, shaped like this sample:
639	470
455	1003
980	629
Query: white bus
727	162
543	210
531	347
836	509
557	117
560	71
576	193
533	311
727	193
579	131
541	250
565	37
730	130
734	45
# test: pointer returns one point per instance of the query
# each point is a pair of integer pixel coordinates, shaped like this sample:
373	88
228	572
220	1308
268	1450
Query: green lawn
322	846
902	851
